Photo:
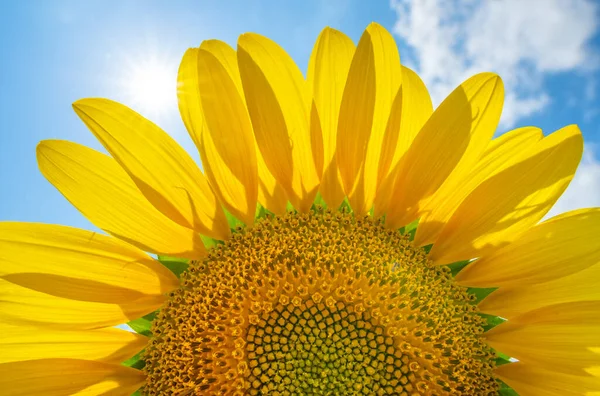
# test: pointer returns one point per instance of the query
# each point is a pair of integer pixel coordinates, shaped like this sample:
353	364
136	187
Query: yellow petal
97	186
532	380
559	337
20	305
327	72
188	95
279	104
553	249
510	302
19	343
60	377
505	205
71	263
161	169
270	194
373	82
453	138
411	109
227	143
501	153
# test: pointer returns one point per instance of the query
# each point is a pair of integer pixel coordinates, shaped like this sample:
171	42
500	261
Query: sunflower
343	239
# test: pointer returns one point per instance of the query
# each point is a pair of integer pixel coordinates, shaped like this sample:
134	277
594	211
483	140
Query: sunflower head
342	238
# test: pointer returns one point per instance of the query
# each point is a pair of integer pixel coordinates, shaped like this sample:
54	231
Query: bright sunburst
150	85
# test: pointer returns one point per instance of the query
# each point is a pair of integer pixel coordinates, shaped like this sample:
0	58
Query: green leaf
142	325
175	264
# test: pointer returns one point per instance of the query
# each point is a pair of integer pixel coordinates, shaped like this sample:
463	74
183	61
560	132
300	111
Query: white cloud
521	40
584	190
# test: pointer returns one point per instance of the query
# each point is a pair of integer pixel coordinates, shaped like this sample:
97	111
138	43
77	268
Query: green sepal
136	362
142	325
175	264
456	267
209	242
319	201
345	206
289	207
492	321
411	230
261	212
233	221
506	390
481	292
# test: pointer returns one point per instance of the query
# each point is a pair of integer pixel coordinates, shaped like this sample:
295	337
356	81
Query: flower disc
318	303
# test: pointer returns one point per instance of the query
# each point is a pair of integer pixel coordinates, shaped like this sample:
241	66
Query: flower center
318	303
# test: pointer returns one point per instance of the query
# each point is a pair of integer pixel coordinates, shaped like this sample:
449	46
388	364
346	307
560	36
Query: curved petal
270	194
505	205
531	380
97	186
188	95
227	143
501	153
18	343
553	249
161	169
452	140
327	72
60	377
82	265
280	108
373	82
23	306
510	302
560	337
412	107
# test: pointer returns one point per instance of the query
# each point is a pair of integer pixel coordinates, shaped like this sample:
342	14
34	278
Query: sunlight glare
151	86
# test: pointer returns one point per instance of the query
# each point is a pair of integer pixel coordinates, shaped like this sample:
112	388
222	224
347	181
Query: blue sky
54	53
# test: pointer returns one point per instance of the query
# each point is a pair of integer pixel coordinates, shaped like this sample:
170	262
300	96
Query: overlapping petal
24	306
532	380
161	169
412	107
99	188
280	107
560	337
60	377
501	153
509	302
270	194
81	265
553	249
22	343
452	140
326	76
510	202
373	82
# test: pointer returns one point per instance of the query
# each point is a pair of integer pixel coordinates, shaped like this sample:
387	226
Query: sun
150	85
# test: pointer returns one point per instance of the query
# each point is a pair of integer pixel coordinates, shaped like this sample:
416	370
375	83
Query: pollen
318	303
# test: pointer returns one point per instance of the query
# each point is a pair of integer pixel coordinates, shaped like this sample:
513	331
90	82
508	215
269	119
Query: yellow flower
306	274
